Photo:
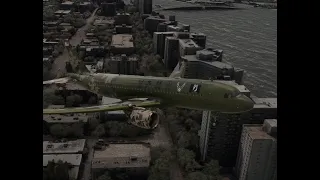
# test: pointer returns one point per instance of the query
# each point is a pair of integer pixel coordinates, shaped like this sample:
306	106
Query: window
49	146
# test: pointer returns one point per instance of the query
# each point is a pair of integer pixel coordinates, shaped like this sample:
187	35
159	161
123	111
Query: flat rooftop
67	3
270	102
85	3
256	132
188	43
73	159
217	64
123	150
122	41
67	147
63	12
65	119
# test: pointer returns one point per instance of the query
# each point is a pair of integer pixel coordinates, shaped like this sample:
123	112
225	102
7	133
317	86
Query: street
58	66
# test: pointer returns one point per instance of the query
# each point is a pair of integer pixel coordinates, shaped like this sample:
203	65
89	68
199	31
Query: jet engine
144	118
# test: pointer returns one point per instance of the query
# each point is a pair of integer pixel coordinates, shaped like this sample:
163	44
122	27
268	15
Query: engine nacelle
144	118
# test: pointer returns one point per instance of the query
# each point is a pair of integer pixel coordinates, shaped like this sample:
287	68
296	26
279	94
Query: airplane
195	94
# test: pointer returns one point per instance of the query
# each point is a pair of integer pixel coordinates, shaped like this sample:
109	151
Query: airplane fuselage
179	92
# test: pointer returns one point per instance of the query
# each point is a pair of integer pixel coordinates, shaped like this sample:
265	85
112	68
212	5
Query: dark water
248	38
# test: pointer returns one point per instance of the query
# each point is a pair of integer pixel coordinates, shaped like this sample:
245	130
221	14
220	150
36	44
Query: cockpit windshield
232	94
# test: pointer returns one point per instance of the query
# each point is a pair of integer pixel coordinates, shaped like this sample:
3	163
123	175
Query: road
86	174
58	66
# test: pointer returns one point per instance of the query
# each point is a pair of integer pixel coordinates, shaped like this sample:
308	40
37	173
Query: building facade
257	154
220	133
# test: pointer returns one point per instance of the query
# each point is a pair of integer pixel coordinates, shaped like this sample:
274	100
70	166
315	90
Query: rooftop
67	3
188	43
123	150
75	146
108	100
85	3
73	159
122	41
217	64
65	119
255	131
63	12
270	102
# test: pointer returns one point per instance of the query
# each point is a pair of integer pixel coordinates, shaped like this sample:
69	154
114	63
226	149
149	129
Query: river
248	38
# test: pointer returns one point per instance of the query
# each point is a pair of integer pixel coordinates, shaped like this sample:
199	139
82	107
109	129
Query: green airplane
196	94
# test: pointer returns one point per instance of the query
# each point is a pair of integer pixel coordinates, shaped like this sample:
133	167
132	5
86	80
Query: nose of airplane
244	103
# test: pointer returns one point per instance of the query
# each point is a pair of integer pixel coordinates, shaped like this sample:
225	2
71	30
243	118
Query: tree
56	171
99	131
156	152
105	176
59	130
93	123
211	169
49	97
160	169
76	130
92	100
73	100
196	176
186	159
55	53
113	128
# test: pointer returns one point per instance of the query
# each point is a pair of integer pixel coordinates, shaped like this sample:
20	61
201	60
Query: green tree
59	130
76	130
57	171
92	100
186	159
211	169
113	128
49	97
196	176
156	152
93	123
105	176
99	131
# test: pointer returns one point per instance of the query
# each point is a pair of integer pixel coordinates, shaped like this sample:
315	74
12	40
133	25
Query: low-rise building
129	156
67	147
123	29
122	18
74	161
62	119
102	21
67	5
122	44
62	12
85	6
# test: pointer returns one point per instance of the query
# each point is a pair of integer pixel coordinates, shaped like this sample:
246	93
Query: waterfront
247	37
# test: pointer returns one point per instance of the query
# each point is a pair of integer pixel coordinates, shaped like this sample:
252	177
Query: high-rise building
171	52
220	133
159	42
123	65
257	154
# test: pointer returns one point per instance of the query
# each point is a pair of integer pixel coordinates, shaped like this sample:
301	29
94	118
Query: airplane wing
101	108
56	81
